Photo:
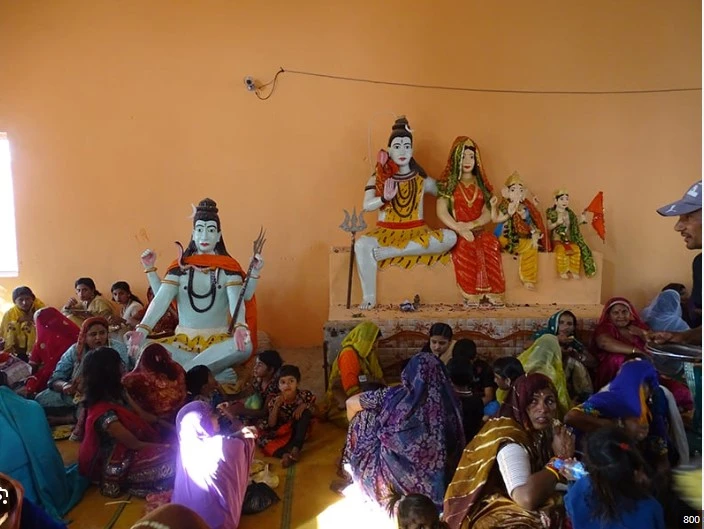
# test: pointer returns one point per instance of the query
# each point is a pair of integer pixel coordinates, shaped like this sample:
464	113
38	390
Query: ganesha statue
520	228
571	251
463	206
401	236
217	319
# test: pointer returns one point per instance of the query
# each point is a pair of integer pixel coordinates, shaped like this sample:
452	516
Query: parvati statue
521	230
401	236
463	206
571	251
206	283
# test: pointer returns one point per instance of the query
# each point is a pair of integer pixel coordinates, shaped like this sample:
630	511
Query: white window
8	237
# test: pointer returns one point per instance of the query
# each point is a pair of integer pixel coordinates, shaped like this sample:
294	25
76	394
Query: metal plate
685	353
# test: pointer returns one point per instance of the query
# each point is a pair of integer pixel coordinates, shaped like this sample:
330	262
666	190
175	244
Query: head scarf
604	319
453	169
626	394
22	291
362	339
419	435
553	328
665	312
87	324
545	357
519	396
157	383
200	448
55	334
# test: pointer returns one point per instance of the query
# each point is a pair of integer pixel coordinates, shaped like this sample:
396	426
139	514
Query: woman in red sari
55	334
619	333
463	206
120	451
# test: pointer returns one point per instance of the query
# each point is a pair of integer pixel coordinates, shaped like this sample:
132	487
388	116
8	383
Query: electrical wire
469	89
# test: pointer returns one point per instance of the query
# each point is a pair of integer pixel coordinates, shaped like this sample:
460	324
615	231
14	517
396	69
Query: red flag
596	207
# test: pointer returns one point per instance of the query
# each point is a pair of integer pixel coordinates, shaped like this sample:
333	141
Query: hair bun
207	204
401	123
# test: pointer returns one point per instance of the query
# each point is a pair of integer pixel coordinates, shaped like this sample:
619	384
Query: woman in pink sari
619	333
212	472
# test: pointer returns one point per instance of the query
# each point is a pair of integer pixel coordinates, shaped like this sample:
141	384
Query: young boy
290	416
506	370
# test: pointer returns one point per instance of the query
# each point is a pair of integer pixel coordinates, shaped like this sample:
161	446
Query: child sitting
417	511
616	492
506	370
290	416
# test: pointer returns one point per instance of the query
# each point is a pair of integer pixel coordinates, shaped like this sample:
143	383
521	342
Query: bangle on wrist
144	327
238	324
550	466
150	269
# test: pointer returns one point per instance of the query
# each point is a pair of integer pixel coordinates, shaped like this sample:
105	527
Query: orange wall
122	114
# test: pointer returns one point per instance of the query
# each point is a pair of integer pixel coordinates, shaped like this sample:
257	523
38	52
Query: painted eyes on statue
210	230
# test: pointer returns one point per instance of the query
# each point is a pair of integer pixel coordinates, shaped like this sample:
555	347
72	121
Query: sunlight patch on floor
351	512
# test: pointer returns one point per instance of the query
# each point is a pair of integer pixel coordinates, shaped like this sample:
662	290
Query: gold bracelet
150	269
145	327
241	325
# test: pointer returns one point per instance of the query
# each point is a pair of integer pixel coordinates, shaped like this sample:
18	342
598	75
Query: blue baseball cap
690	202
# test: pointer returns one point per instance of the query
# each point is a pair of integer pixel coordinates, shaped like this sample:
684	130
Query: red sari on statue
478	267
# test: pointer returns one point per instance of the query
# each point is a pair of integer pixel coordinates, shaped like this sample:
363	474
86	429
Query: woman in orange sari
463	206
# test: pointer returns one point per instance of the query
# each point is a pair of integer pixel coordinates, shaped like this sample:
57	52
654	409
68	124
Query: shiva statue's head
207	235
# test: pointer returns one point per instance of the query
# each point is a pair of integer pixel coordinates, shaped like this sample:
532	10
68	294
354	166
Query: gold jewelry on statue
150	269
234	283
252	276
238	324
169	282
144	327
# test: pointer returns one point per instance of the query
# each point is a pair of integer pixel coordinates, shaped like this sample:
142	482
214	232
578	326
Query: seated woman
563	324
392	429
483	375
55	334
616	491
356	364
61	398
90	303
665	314
506	370
631	401
28	455
619	333
166	326
505	477
545	356
212	471
462	377
440	341
289	419
131	307
120	451
17	325
157	384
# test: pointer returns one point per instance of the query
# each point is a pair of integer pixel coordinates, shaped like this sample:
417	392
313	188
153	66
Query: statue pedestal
497	332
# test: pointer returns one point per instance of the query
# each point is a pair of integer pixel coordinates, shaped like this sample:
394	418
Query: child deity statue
401	236
521	230
571	251
463	206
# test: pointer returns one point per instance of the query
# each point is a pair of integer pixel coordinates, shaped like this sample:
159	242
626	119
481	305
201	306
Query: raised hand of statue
242	338
148	258
258	263
390	189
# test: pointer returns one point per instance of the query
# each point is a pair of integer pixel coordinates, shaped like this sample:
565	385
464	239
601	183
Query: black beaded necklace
210	294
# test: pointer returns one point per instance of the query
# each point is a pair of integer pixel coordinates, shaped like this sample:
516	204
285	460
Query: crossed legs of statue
368	252
218	358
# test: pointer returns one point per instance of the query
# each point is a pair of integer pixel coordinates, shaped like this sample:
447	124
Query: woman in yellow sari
507	476
90	303
17	327
545	357
356	365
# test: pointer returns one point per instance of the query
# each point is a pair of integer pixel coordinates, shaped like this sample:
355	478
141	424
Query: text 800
691	519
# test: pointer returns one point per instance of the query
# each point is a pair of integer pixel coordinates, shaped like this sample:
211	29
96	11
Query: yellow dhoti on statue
568	258
527	259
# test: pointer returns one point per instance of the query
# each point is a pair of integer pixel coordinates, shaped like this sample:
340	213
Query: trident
352	224
257	247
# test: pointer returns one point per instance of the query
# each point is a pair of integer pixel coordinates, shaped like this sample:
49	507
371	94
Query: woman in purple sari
406	439
212	470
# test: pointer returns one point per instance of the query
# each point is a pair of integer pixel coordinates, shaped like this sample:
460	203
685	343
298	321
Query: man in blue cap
689	226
